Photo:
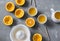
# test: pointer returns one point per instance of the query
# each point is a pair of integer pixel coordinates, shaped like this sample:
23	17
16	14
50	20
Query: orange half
20	2
10	6
19	13
37	37
30	22
8	20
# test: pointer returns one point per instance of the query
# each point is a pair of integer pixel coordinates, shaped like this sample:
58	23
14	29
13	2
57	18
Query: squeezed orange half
20	2
37	37
10	6
30	22
8	20
19	13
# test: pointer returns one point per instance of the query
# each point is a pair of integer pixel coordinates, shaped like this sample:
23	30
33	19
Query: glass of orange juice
55	15
42	19
32	11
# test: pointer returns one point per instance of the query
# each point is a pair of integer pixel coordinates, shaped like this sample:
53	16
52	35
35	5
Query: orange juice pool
32	11
42	19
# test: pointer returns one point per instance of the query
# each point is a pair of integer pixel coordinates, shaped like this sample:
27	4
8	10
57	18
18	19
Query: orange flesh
19	1
37	37
19	13
8	20
30	22
9	6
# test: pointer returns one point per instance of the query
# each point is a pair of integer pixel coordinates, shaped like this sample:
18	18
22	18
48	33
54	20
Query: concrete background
50	31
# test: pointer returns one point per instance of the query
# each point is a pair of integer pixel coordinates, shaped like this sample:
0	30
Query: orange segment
30	22
20	2
37	37
19	13
10	6
8	20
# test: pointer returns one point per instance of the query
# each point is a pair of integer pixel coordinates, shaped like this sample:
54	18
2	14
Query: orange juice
42	19
57	15
32	11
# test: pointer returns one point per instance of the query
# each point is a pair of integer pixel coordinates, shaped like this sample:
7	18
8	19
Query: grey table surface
50	31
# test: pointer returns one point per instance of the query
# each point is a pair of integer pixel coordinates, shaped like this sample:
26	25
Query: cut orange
20	2
8	20
10	6
37	37
19	13
30	22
